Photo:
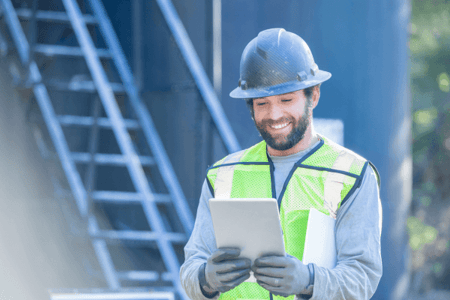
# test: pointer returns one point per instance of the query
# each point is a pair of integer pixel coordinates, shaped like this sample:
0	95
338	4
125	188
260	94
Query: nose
275	112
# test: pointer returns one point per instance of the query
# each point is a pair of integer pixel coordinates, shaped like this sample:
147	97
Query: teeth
280	126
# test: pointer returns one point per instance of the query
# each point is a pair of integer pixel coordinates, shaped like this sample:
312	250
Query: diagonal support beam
195	67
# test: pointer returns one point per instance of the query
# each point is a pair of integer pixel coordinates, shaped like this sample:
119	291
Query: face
282	120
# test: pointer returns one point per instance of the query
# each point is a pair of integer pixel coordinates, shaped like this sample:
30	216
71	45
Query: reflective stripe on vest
224	177
335	182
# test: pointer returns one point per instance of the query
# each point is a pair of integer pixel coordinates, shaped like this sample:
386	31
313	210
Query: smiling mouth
280	126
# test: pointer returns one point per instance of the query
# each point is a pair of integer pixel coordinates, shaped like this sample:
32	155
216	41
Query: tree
429	222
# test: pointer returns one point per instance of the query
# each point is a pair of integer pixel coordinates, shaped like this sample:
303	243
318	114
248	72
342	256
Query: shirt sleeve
199	247
358	230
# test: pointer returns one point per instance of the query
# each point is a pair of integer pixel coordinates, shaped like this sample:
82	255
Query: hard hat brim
280	89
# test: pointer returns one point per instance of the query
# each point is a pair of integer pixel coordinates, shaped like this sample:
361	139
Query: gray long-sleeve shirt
358	229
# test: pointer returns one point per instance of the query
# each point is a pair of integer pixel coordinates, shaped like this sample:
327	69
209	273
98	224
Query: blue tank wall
362	43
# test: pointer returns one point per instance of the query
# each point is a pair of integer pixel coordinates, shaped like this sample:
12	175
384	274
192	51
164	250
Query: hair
308	94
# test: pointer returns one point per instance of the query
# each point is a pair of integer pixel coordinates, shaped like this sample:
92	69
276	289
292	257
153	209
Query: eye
286	100
261	103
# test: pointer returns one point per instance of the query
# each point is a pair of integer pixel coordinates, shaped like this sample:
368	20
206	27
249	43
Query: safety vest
323	179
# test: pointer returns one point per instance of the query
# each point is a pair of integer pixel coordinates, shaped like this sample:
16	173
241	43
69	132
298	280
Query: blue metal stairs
138	165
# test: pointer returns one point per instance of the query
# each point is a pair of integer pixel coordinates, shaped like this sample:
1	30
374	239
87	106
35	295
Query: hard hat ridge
276	62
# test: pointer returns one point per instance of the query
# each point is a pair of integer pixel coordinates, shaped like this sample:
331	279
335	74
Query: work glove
281	275
224	270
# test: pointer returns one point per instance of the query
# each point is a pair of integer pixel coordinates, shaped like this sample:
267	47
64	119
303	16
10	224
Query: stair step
159	293
87	86
52	50
84	121
138	275
48	15
138	236
143	276
109	159
126	197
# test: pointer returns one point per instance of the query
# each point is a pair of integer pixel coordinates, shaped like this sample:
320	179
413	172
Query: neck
307	141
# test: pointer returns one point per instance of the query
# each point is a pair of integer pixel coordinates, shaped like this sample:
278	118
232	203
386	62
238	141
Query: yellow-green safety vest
323	179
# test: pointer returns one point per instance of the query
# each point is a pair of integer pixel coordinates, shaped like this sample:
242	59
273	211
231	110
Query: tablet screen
252	225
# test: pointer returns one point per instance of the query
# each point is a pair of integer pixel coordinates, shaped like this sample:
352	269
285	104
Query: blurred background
428	224
111	111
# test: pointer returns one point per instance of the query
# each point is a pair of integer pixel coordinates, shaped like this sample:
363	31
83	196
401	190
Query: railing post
32	37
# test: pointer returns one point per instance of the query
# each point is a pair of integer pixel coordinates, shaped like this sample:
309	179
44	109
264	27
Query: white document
252	225
320	243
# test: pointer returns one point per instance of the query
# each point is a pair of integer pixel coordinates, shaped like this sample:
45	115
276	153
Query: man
300	168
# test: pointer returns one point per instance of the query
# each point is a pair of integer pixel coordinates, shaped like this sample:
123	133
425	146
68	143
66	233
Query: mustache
271	122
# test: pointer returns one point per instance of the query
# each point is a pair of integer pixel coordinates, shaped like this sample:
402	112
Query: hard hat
276	62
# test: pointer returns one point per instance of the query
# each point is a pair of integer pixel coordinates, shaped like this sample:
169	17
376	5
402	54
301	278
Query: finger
280	292
272	281
233	265
237	281
272	261
270	272
224	288
227	277
274	290
265	286
225	253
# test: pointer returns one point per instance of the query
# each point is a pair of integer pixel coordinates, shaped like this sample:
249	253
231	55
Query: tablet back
253	225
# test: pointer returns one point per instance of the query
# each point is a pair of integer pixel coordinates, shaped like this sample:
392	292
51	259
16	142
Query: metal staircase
154	215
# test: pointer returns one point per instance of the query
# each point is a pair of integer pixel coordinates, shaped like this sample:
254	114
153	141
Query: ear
315	96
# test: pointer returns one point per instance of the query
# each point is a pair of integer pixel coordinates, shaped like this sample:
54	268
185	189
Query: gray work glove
281	275
224	271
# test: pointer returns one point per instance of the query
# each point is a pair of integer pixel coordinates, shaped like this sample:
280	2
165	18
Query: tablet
250	224
320	245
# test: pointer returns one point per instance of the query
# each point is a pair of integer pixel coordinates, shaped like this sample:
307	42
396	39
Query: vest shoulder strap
334	157
343	167
220	175
224	176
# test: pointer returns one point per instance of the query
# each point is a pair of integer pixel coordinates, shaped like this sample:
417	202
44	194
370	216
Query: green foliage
419	233
437	268
429	223
430	86
444	82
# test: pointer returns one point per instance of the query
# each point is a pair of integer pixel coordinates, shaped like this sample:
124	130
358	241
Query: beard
294	136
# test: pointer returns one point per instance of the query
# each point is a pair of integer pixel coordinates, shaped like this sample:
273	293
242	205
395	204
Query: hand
281	275
224	271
